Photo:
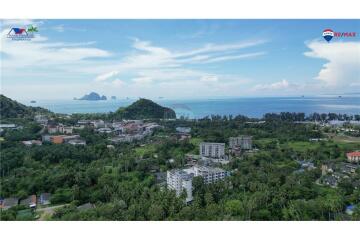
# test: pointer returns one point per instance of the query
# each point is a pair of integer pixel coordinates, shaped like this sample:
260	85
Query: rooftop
353	154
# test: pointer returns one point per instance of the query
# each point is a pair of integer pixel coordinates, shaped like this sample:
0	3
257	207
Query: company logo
329	34
22	34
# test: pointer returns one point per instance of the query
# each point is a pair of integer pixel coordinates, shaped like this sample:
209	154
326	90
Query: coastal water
252	107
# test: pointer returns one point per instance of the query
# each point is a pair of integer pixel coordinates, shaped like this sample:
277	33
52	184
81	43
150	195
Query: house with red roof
353	156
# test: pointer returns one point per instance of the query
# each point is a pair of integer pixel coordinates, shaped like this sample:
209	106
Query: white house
183	129
353	156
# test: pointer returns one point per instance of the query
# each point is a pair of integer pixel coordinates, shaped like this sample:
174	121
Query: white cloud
210	48
146	70
235	57
343	62
154	64
276	86
106	76
40	53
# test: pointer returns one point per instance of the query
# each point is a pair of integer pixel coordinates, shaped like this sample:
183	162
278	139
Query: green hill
145	109
12	109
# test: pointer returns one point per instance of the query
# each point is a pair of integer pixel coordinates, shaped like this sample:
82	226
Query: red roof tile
353	154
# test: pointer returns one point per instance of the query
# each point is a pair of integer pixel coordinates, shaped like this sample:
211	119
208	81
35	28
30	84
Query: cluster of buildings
305	166
31	201
131	130
332	174
122	131
180	180
56	133
211	153
59	128
217	150
60	139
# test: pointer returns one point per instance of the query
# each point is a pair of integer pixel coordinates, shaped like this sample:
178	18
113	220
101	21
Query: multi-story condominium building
212	150
209	174
243	142
179	180
353	156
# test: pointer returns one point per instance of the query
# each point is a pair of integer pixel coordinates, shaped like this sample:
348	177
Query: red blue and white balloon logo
328	34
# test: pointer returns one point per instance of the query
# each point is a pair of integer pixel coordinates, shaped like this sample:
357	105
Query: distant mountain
12	109
145	109
113	97
93	96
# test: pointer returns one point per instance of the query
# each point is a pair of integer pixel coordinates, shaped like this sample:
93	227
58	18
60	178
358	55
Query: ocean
251	107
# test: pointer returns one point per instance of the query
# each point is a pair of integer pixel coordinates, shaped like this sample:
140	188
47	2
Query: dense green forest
122	184
12	109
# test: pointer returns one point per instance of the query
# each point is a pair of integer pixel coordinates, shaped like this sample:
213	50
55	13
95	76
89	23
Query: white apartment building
209	174
243	142
212	150
179	181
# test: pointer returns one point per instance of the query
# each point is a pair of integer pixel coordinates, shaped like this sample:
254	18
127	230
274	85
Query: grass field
196	141
147	149
303	146
346	139
25	214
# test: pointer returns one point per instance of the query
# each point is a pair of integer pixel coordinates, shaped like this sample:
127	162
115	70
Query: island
113	97
93	96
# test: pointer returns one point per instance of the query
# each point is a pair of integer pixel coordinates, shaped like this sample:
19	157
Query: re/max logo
344	34
328	34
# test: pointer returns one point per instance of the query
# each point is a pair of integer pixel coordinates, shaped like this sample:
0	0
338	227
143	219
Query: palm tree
32	29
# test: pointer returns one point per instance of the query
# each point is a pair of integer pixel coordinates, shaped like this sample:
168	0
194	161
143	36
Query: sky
179	59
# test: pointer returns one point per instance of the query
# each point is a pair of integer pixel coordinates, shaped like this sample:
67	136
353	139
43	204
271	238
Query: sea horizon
202	107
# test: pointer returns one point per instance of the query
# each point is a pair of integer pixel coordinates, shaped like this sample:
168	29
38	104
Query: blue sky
180	58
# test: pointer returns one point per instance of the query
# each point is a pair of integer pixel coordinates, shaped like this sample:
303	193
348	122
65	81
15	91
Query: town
89	166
